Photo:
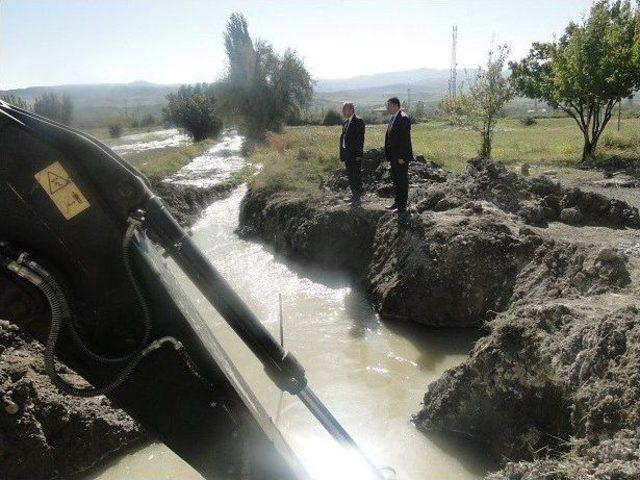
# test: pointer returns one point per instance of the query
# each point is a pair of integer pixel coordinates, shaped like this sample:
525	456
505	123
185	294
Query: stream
371	374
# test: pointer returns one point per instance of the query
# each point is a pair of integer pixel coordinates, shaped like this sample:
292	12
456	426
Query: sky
53	42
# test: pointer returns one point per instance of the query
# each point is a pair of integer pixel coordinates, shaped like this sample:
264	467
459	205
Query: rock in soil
43	433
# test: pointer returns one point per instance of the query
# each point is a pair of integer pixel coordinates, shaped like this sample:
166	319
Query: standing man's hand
401	161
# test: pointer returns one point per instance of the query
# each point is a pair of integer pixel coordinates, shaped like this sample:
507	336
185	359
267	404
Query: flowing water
372	375
139	142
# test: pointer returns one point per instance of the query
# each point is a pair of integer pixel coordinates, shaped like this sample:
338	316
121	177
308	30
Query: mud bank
186	202
553	389
44	434
455	259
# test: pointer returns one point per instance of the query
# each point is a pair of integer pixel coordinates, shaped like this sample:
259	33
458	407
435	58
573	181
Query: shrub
115	130
332	117
148	120
192	107
528	121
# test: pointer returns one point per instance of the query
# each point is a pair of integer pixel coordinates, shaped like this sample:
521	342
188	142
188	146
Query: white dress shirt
392	120
344	137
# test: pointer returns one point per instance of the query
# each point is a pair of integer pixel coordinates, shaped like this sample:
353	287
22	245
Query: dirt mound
44	434
536	201
556	382
451	268
616	458
559	373
564	270
376	174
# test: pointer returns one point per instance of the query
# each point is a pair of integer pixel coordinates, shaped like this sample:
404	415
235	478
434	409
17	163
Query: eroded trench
371	374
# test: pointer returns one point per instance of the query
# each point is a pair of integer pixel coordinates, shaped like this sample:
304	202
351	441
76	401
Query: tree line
55	107
586	73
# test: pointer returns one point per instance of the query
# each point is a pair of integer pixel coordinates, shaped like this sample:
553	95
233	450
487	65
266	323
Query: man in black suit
398	151
351	146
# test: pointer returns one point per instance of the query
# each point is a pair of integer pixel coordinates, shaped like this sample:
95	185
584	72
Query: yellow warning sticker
60	187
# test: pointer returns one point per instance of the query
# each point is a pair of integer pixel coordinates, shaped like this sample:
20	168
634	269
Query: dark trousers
354	172
400	176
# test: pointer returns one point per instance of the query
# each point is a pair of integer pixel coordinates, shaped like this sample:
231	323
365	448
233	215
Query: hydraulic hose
61	314
141	299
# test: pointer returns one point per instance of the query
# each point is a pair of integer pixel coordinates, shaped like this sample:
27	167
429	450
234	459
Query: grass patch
298	159
162	162
301	157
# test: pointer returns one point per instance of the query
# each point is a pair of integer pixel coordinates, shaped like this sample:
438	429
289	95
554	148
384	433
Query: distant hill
425	79
98	104
426	84
103	94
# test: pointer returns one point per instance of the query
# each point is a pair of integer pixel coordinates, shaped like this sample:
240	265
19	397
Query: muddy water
372	375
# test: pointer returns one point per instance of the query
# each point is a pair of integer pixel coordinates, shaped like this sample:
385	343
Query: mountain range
95	102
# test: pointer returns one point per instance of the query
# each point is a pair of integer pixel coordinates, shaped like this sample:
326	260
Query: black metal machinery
69	202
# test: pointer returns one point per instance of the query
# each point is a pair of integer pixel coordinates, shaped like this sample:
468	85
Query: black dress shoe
392	207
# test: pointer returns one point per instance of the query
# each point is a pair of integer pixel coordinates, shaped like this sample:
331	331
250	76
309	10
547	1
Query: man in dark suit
398	151
351	146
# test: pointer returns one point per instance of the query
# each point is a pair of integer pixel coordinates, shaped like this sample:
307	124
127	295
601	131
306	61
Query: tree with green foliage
15	100
589	70
419	111
457	111
193	107
261	88
50	105
489	93
480	108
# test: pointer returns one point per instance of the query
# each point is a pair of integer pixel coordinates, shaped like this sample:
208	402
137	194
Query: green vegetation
332	117
262	88
488	95
528	121
162	162
115	130
193	107
50	105
301	157
588	71
15	100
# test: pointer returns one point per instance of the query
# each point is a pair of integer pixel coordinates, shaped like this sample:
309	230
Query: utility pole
453	76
